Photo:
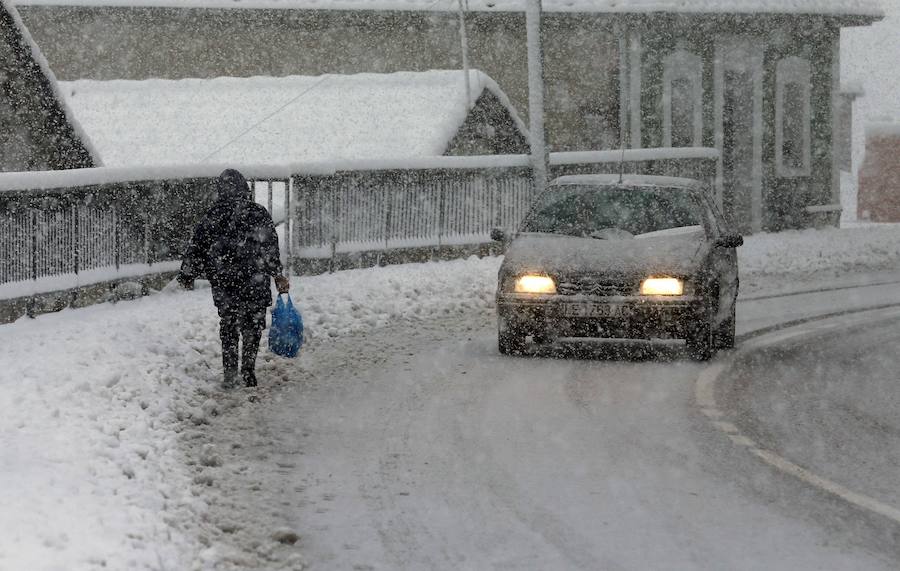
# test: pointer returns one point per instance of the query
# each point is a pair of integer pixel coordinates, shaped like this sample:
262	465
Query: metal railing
394	209
60	238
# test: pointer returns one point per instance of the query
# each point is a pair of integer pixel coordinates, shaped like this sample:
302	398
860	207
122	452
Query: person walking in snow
235	247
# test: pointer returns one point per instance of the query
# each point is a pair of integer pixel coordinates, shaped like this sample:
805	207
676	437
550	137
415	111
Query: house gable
35	131
489	129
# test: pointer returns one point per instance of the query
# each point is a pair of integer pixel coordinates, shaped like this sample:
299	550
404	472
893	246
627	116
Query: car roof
628	180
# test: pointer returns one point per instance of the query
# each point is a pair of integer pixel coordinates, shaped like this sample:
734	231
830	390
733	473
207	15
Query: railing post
441	215
334	226
34	239
288	225
76	237
148	259
388	214
501	183
116	239
269	195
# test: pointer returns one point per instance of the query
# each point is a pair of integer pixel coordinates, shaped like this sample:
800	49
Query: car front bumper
637	317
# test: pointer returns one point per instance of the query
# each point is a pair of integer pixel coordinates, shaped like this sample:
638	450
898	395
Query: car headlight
533	283
662	286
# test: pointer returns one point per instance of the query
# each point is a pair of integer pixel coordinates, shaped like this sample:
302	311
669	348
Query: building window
793	118
682	100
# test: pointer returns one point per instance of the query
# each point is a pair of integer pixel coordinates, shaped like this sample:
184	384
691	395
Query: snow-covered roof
867	8
264	120
853	88
883	128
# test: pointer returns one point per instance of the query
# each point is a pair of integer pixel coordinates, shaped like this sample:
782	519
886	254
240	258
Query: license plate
593	310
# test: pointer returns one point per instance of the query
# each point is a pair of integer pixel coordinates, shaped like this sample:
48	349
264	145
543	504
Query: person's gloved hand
187	282
282	284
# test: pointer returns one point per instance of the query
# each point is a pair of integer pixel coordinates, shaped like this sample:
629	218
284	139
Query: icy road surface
419	447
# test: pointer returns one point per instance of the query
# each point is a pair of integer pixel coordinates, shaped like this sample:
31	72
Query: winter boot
230	380
249	378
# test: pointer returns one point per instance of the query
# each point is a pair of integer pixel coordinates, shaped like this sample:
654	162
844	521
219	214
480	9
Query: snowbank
776	261
94	400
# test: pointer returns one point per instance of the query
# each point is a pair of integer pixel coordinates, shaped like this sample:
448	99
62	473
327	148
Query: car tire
726	333
510	341
699	343
543	338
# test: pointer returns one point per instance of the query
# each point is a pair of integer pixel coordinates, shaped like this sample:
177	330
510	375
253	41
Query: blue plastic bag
286	333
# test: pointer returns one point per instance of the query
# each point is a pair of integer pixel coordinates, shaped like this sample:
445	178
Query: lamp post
536	94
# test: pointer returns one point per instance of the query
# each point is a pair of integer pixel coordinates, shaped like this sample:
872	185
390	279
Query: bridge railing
58	238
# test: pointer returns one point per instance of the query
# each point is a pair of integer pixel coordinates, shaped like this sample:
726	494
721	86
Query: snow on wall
41	61
868	8
882	129
272	121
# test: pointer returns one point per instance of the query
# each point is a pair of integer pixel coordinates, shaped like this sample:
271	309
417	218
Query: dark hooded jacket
235	247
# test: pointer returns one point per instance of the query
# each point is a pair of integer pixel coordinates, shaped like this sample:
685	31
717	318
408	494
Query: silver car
637	257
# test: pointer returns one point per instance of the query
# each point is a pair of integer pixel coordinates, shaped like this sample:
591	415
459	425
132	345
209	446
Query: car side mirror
730	241
498	235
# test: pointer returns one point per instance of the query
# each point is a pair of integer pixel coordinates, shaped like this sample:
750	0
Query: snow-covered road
430	451
401	439
829	401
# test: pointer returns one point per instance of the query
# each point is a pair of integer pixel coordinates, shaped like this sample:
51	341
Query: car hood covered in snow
677	253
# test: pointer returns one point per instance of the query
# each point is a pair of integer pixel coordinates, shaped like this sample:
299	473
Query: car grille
595	285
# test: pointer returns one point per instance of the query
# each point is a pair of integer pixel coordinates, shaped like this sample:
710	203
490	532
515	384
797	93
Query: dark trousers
241	323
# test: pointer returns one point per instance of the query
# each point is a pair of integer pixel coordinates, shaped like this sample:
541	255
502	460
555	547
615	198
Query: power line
266	118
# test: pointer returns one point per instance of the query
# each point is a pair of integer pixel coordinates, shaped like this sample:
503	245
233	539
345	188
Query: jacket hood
678	253
231	185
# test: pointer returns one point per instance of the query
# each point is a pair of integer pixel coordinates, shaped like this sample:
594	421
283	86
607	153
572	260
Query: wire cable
266	118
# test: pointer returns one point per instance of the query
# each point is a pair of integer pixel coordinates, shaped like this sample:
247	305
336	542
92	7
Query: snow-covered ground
97	402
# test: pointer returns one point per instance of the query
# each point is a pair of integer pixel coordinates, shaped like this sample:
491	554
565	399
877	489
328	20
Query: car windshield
611	212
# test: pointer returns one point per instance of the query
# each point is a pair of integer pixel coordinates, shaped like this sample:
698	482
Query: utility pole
536	94
464	41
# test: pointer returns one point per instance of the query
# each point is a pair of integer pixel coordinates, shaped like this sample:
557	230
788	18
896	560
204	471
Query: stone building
36	132
756	79
878	194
